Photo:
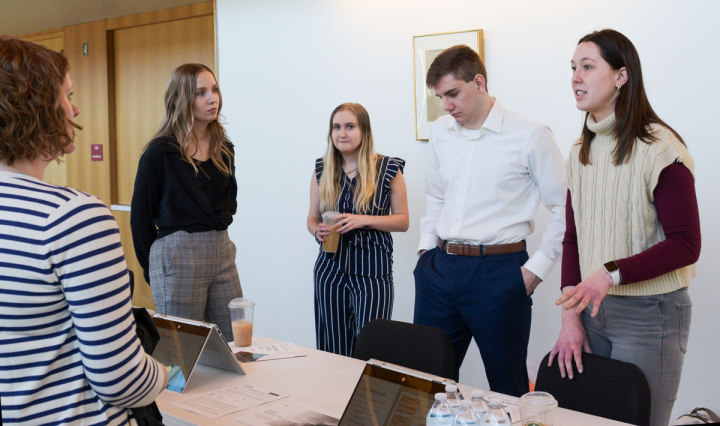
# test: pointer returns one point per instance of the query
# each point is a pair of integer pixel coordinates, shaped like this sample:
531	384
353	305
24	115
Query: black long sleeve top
169	196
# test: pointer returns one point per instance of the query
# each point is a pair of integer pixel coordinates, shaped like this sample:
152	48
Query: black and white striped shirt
68	349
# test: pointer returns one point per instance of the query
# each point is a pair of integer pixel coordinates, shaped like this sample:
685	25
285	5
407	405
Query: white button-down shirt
484	186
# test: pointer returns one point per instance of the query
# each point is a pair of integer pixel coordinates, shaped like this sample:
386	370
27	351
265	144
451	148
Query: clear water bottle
496	414
466	415
454	397
479	403
440	414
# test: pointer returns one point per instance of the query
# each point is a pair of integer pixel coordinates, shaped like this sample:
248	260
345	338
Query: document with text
229	400
267	352
288	412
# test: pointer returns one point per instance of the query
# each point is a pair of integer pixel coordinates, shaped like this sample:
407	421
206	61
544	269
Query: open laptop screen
179	348
385	396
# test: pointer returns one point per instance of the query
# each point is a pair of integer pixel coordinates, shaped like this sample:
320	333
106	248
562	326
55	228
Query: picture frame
428	107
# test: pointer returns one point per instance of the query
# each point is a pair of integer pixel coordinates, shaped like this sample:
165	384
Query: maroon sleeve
570	258
677	211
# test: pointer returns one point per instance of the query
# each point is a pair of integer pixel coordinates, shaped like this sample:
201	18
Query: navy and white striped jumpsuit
355	285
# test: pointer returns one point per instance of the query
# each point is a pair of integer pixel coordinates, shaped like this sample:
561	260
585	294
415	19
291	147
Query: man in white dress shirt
488	170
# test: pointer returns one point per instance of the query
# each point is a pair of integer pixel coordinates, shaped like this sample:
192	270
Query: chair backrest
131	276
607	388
419	347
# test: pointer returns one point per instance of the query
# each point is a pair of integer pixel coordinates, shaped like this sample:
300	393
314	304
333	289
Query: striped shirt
68	349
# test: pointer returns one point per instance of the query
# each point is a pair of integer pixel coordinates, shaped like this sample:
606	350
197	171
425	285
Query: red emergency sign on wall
96	152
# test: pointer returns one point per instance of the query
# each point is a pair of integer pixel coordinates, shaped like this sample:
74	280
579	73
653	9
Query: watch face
611	267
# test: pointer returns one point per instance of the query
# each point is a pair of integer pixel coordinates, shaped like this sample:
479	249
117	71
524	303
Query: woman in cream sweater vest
633	231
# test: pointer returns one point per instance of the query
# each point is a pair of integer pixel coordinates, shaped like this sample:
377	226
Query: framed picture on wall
428	107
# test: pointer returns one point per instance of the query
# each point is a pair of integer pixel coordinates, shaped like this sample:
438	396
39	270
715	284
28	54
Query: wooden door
144	58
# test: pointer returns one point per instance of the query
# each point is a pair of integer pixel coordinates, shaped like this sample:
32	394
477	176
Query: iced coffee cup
330	242
537	409
241	317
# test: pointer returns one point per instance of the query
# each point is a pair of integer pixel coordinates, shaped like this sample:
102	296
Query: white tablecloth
321	379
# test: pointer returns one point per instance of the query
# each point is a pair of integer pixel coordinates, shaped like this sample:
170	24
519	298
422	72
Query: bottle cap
450	388
495	402
440	396
477	393
466	403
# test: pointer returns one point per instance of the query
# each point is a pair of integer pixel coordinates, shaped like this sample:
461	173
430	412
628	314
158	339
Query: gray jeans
194	276
650	332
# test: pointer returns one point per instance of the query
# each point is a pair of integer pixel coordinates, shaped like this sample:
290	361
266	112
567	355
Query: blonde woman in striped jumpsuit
355	284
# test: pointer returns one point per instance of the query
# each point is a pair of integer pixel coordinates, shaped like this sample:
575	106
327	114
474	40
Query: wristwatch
614	271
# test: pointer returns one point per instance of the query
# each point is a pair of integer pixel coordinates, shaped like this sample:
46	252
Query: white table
321	379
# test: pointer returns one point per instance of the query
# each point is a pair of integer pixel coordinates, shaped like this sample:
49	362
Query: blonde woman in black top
184	201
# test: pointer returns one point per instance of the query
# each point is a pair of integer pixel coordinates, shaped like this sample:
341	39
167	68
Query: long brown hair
32	120
178	120
633	113
332	165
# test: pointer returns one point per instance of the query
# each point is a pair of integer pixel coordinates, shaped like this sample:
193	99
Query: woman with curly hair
68	348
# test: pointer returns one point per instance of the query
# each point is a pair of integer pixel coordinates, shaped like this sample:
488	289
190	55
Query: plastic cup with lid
537	409
330	241
241	316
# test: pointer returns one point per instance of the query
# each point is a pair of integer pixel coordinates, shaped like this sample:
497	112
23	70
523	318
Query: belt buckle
447	248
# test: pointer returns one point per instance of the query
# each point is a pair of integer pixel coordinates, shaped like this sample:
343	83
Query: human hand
322	231
421	252
347	222
593	289
570	344
530	279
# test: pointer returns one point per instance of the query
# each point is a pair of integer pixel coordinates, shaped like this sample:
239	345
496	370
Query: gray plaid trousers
194	276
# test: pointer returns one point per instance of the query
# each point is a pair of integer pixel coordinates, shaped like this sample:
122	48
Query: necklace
351	171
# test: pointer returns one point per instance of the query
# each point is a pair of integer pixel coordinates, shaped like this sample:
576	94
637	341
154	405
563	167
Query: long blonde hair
332	165
178	120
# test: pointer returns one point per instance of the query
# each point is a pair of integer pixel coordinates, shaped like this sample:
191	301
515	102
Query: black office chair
419	347
607	388
131	276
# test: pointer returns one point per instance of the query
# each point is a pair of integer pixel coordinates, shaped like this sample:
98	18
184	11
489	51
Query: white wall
284	65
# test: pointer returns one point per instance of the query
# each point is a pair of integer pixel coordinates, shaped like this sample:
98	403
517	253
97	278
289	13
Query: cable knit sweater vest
614	212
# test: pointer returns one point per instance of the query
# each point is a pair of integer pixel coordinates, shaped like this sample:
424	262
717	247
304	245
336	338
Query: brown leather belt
474	250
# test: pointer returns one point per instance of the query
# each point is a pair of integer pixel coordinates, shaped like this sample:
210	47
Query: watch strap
614	271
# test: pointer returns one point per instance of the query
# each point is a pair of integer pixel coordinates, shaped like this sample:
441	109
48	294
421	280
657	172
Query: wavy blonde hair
332	165
178	120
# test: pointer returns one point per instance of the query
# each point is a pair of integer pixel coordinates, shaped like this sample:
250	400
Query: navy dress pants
484	298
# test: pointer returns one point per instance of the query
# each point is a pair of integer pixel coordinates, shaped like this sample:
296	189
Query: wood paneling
144	57
215	46
143	295
41	34
89	76
53	40
182	12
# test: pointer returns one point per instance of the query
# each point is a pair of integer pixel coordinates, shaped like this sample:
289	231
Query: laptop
185	343
388	394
